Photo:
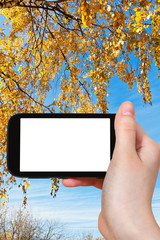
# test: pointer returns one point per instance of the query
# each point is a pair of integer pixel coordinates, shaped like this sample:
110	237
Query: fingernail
128	109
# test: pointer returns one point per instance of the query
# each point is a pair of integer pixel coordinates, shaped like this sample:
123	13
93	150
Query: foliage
20	224
77	46
88	236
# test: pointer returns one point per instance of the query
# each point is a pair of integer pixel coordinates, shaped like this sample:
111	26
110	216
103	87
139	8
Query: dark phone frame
13	145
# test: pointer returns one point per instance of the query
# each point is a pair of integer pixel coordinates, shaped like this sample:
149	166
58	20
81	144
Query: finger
130	124
78	182
125	128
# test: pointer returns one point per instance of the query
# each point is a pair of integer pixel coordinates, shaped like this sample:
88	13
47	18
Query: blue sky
79	207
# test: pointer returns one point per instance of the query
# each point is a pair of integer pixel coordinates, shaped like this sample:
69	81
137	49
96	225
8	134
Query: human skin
128	186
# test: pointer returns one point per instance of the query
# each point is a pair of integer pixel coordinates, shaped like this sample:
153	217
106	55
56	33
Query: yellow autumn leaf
72	53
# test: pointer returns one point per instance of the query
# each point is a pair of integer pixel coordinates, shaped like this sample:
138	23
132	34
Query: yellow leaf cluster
72	53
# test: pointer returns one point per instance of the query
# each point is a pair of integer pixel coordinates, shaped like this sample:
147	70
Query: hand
127	189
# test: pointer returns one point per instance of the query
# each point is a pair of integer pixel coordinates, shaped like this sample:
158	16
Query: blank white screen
64	144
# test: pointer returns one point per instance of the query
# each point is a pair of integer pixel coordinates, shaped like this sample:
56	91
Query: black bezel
13	145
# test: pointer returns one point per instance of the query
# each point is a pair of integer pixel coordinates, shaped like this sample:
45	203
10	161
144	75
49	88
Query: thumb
125	128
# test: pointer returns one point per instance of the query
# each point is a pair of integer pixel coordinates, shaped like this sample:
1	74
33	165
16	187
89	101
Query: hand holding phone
126	211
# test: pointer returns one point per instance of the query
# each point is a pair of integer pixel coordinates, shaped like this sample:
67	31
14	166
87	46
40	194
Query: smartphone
63	145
